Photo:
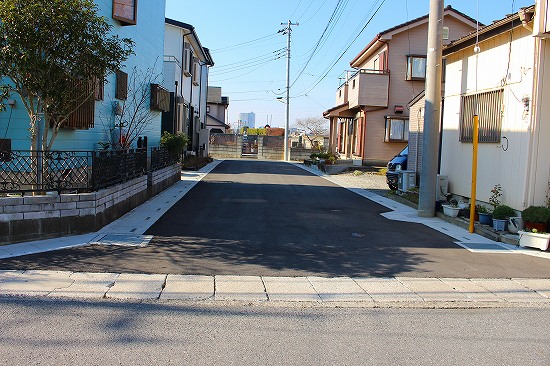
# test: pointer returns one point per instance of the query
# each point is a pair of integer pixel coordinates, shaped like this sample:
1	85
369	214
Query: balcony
342	94
368	88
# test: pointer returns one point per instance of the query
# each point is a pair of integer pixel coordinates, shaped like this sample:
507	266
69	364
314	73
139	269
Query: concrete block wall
41	217
300	153
159	180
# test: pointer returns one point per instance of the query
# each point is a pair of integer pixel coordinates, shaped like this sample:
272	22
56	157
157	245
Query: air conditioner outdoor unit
406	180
442	187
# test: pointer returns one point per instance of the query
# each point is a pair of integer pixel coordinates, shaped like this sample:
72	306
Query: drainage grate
124	240
485	247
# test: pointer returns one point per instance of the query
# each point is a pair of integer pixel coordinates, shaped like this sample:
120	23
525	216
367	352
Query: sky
249	55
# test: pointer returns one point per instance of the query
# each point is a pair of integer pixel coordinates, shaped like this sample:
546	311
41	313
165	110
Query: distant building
247	119
216	110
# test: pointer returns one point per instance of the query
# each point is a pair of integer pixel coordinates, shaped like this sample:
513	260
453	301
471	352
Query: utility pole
432	114
288	31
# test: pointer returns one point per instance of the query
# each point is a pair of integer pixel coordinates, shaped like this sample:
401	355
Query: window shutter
125	11
83	116
160	98
121	91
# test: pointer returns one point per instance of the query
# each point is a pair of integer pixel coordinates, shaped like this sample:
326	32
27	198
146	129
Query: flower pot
485	218
450	210
515	224
499	225
534	240
539	226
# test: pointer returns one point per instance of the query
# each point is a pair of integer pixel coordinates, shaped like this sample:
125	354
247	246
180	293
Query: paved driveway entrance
274	219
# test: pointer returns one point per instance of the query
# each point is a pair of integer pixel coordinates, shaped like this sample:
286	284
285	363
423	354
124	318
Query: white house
503	78
186	64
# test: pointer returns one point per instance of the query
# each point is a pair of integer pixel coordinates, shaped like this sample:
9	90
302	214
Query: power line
344	52
336	13
246	43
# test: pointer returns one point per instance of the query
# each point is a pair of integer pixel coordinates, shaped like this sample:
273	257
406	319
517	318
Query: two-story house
216	110
186	64
499	73
370	121
94	121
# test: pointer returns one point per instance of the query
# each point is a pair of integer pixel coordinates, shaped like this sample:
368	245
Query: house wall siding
413	41
503	163
148	35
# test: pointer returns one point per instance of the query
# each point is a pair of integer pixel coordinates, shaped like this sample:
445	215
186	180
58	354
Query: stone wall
54	215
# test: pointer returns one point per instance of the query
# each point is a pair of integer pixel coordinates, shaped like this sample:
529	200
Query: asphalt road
41	332
274	219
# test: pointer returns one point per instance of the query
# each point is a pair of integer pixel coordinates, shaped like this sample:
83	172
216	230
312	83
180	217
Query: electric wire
338	10
329	69
246	43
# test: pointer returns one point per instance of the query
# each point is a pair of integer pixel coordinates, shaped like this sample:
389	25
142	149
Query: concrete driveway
274	219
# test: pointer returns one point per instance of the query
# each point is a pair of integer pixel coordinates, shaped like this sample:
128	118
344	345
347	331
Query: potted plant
484	215
451	209
536	217
501	213
534	239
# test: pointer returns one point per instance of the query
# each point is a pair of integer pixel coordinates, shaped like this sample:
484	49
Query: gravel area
365	180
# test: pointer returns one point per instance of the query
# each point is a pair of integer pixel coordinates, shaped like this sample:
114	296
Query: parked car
395	165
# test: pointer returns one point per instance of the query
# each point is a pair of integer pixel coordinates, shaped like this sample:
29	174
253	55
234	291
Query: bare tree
132	117
314	127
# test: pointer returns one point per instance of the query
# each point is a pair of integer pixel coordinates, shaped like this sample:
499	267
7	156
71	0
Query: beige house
370	122
508	83
216	111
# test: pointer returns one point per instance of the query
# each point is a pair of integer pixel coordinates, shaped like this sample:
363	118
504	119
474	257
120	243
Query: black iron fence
75	171
162	158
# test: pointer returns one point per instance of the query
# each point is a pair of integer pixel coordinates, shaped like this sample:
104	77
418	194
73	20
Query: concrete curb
371	292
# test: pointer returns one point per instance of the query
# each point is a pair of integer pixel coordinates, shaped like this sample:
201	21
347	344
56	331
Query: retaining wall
54	215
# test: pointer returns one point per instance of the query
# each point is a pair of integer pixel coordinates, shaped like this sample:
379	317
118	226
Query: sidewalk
129	229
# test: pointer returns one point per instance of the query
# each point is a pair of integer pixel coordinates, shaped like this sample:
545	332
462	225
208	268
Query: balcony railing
365	87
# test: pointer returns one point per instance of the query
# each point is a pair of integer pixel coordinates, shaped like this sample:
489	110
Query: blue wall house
143	22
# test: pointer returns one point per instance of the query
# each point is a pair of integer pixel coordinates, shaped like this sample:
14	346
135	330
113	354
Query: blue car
398	163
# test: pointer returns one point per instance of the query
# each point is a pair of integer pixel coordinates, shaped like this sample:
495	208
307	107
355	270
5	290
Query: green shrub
502	212
536	214
174	142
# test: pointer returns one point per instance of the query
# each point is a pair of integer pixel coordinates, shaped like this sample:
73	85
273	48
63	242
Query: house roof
207	57
341	111
217	121
507	23
405	26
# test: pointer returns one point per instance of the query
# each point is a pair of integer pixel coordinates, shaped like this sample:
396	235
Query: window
397	130
121	91
353	84
160	98
196	75
83	116
416	67
187	59
125	11
99	89
5	150
489	108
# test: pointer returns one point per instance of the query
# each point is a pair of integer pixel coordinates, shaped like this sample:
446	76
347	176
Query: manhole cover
485	248
124	240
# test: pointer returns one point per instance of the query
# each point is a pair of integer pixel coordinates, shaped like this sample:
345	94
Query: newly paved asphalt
275	219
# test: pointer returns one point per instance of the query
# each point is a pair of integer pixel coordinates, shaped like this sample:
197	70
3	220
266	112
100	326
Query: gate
250	146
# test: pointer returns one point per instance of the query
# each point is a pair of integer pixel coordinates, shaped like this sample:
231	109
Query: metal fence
162	158
74	171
